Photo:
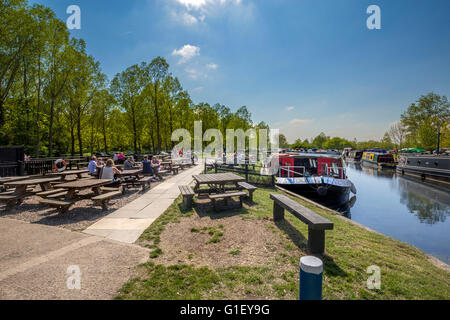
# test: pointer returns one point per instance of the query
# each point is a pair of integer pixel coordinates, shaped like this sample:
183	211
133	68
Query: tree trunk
158	135
50	128
104	134
38	107
80	142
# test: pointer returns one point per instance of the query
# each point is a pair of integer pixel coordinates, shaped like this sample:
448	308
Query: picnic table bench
61	205
226	196
188	195
104	198
23	190
316	223
145	182
250	188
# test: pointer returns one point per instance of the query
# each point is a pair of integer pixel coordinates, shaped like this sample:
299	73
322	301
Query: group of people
150	166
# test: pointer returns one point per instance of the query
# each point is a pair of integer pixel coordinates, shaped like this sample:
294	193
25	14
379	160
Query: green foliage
54	99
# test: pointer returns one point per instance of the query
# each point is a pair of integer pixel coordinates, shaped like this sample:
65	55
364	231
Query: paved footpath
129	222
36	260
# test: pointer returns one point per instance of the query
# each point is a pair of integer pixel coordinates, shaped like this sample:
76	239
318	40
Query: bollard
311	274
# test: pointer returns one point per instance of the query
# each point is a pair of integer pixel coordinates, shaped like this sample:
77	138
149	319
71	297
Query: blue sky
303	66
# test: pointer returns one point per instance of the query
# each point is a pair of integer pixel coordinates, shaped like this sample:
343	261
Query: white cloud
212	66
201	4
186	53
299	121
194	73
290	108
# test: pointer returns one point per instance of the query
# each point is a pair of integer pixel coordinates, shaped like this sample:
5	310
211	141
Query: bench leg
187	201
250	196
316	241
278	212
104	206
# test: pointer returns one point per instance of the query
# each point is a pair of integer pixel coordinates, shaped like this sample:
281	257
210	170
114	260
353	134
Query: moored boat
434	169
320	177
378	160
353	156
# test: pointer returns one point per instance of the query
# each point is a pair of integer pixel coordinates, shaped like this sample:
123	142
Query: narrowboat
320	177
378	160
354	156
434	169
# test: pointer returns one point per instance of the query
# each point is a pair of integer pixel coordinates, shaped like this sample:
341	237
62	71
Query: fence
251	172
8	169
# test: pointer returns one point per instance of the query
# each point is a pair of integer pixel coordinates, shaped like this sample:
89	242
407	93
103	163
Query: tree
432	108
426	135
319	141
397	133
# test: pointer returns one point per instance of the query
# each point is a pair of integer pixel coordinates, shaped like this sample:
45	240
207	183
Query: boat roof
311	155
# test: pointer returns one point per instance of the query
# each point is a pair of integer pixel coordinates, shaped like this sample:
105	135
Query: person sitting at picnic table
156	165
120	157
93	166
110	172
100	162
128	164
147	168
116	156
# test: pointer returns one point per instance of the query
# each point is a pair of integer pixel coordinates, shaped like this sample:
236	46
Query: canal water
402	208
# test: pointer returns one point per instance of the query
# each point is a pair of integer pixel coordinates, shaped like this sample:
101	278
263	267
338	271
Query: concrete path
36	262
129	222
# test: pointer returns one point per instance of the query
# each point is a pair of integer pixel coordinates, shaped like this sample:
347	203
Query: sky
301	66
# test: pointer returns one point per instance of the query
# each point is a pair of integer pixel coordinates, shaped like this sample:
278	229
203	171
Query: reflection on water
428	205
405	209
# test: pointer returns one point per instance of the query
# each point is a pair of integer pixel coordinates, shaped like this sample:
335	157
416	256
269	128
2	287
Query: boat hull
378	165
324	190
432	169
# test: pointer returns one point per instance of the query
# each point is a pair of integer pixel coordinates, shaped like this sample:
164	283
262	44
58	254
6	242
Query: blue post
311	274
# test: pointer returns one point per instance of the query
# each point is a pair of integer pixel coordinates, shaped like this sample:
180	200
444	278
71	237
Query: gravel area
80	216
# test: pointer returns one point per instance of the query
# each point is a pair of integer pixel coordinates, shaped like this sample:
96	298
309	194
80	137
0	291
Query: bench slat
312	219
106	196
227	195
186	190
247	186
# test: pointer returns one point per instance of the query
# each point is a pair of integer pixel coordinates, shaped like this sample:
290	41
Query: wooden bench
104	198
109	189
10	200
226	196
316	223
250	188
45	194
188	195
61	205
146	181
175	170
61	194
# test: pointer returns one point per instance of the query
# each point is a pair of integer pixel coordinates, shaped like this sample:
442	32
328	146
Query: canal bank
256	258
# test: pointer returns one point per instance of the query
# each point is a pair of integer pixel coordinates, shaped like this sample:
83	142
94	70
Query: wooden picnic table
130	173
11	179
21	185
76	186
65	173
216	181
20	192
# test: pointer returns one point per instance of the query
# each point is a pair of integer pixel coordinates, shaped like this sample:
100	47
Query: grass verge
406	272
